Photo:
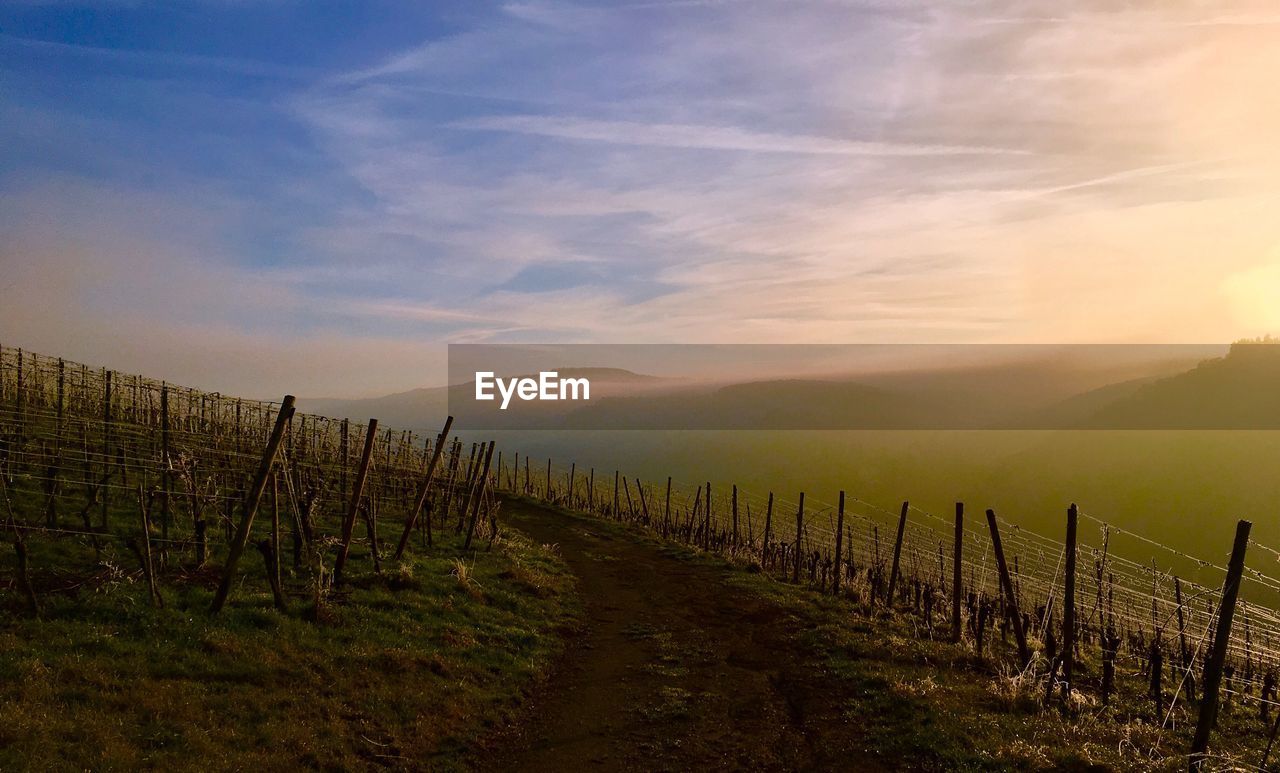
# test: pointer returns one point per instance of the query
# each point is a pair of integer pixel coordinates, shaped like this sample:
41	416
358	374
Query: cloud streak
690	171
729	138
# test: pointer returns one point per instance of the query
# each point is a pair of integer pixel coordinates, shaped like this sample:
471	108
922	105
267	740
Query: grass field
418	667
918	702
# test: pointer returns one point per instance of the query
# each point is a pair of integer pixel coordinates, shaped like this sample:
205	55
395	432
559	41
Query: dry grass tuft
466	579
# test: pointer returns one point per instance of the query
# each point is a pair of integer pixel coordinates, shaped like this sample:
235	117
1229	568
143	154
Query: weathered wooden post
631	507
706	532
795	575
1156	665
251	503
423	490
473	472
768	524
353	507
644	504
20	396
274	567
956	579
106	440
839	570
897	554
272	559
666	509
370	512
143	548
1010	598
1218	655
166	472
735	515
475	509
1069	608
1183	658
55	469
344	452
20	551
1271	742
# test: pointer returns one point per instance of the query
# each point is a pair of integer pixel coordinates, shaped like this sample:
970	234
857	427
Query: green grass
935	706
415	667
942	707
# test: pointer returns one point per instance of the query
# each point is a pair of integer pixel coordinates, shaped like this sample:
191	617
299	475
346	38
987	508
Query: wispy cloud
234	65
711	171
709	137
842	138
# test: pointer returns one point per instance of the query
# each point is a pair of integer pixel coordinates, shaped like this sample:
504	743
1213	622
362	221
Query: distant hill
415	409
1021	394
1080	409
1238	391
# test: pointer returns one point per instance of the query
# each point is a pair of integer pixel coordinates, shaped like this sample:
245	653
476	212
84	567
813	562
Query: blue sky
257	196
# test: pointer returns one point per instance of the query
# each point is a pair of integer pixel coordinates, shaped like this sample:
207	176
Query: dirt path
674	670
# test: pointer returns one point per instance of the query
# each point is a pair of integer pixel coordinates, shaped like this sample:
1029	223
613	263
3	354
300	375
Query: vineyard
107	475
96	462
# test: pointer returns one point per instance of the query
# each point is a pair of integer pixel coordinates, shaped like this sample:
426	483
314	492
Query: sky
315	197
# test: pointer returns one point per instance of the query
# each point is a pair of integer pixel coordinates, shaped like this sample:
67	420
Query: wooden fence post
768	524
1069	608
839	570
142	547
479	496
1221	641
473	474
644	503
251	503
795	575
957	581
1010	598
52	485
1271	742
274	569
897	554
353	507
706	532
735	515
344	451
423	490
166	474
272	559
666	509
370	511
1183	658
106	441
631	507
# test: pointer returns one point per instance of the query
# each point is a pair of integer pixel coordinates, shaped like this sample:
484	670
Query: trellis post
251	503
